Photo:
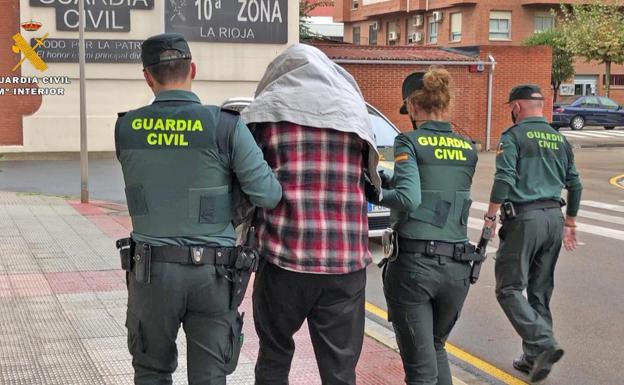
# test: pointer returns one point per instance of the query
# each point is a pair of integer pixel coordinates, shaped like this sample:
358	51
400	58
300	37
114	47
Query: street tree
562	59
305	8
595	31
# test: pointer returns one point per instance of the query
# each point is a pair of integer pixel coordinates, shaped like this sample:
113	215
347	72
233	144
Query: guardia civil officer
179	159
533	163
425	287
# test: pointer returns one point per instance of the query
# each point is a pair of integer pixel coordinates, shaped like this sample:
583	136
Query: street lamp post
84	154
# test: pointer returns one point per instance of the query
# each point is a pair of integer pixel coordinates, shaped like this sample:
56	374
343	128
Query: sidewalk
63	303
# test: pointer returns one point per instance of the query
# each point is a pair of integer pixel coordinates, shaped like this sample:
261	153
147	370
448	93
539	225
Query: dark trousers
526	259
334	308
199	299
425	296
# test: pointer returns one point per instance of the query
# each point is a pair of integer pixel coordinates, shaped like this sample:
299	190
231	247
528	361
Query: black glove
385	180
373	194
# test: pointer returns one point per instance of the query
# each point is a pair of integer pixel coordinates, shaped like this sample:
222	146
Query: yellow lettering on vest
181	125
170	124
442	141
432	140
449	154
168	139
152	138
530	135
148	124
183	141
136	124
197	126
159	125
422	141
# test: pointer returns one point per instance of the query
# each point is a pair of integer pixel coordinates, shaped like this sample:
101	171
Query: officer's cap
525	92
412	82
152	49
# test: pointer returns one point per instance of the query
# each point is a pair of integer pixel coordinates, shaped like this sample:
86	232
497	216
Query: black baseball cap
152	49
412	82
525	92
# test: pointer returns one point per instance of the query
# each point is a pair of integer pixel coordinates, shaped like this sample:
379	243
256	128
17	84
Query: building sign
100	15
232	21
96	51
566	89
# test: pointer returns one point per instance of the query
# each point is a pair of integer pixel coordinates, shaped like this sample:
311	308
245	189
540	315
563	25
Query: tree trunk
607	77
555	90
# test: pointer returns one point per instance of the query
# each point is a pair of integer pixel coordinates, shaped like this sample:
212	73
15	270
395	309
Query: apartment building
464	24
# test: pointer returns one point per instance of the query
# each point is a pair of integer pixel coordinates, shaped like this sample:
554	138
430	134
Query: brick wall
381	86
12	108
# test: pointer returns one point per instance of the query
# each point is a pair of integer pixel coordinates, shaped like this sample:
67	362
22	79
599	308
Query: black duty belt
538	205
191	255
461	252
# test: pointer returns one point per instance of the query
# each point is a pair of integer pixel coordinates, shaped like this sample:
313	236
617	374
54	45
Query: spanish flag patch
401	157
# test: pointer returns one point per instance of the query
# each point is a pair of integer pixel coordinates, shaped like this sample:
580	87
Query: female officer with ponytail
426	285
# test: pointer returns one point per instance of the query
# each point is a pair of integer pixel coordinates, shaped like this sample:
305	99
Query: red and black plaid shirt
321	224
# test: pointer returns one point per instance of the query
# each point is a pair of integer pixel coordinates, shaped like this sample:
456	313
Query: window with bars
356	35
500	25
616	80
456	26
372	34
433	31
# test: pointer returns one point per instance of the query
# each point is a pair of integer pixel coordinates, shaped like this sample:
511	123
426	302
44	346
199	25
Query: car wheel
609	127
577	122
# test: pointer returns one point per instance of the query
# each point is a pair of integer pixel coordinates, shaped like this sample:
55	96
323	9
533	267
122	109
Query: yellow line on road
462	355
615	179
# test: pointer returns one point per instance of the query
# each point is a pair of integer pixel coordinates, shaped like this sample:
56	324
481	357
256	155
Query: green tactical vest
446	163
178	180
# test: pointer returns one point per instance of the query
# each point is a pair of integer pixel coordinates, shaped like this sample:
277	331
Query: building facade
466	23
232	43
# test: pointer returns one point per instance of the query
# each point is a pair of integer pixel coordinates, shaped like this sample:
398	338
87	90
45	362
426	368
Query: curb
384	336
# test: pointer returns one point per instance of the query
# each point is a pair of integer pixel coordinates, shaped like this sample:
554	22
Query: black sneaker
544	362
523	363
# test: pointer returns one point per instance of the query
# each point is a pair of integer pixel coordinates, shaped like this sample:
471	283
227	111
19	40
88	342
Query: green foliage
305	7
595	31
562	60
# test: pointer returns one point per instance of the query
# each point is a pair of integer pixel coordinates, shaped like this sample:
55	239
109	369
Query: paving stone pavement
63	303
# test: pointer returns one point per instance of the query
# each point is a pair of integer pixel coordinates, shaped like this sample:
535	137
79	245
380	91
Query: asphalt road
588	303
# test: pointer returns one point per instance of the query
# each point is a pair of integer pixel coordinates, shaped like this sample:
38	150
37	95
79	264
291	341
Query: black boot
544	362
523	363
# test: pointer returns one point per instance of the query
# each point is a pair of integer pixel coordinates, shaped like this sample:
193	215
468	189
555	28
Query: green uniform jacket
535	162
178	182
432	177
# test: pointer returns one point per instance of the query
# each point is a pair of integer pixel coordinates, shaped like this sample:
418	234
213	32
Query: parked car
588	111
385	132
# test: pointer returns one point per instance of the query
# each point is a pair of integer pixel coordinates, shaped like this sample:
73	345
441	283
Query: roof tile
390	53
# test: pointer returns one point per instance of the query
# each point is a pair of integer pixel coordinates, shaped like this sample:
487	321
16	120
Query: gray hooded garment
303	86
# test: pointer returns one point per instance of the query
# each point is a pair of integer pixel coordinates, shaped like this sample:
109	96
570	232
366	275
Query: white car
385	132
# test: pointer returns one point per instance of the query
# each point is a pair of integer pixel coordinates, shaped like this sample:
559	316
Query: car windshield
384	132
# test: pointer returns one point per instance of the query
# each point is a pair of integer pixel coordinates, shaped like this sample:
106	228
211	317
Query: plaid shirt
321	224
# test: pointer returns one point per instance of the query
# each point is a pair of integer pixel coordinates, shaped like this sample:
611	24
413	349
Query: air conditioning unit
414	37
418	21
437	16
375	25
393	36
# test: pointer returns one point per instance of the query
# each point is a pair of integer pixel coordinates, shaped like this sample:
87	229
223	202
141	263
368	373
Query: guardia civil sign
231	21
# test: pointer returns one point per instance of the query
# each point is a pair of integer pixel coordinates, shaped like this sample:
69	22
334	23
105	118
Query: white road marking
583	227
605	206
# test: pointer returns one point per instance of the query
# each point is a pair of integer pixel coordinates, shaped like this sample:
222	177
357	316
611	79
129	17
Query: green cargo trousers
425	296
526	259
198	298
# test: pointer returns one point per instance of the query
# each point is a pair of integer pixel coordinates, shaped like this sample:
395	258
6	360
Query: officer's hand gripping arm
406	194
254	174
